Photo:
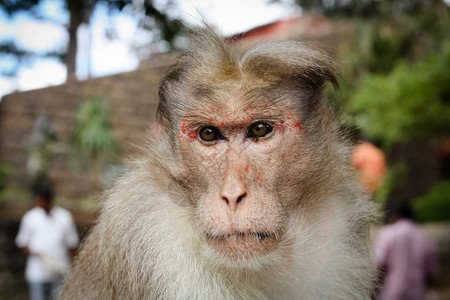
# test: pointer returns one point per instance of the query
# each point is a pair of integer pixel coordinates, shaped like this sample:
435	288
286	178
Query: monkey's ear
156	131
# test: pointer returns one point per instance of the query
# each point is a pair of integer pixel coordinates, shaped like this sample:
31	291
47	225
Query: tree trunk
76	9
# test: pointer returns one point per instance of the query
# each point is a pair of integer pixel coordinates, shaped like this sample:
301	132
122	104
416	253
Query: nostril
241	197
226	200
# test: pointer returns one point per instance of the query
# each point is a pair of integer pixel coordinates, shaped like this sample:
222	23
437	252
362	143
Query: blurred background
78	88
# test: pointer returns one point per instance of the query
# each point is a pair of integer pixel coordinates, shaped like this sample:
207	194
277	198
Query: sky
101	55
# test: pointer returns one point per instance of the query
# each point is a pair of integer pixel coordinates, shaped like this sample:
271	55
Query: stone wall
132	100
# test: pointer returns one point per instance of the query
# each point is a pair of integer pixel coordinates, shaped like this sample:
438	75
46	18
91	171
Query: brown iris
210	134
259	130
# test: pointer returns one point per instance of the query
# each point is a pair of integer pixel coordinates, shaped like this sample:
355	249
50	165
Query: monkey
244	191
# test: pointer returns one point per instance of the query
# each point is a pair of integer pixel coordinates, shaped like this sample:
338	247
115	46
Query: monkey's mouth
240	245
260	235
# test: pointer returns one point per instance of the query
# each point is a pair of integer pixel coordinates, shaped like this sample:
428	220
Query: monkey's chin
243	245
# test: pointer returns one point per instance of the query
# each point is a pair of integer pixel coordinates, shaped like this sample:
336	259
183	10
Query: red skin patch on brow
183	127
283	156
191	134
281	127
297	125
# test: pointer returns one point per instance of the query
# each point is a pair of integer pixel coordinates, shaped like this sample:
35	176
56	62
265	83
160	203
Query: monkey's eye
210	134
259	130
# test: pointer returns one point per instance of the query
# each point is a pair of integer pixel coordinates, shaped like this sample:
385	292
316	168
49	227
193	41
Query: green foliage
434	206
388	44
368	9
410	101
93	136
394	176
397	30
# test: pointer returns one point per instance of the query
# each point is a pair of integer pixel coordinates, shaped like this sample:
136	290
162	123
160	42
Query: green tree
367	9
409	102
94	138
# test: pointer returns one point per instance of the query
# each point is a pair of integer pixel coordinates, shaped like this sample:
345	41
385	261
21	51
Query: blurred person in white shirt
48	236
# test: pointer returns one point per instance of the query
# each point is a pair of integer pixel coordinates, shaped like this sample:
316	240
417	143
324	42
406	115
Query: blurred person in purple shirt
406	256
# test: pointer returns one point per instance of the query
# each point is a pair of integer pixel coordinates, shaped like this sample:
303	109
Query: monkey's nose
233	201
233	192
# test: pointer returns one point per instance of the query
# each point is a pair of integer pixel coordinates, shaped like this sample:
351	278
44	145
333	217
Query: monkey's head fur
247	191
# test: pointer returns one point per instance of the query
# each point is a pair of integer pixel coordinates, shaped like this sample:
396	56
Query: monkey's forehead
238	97
212	76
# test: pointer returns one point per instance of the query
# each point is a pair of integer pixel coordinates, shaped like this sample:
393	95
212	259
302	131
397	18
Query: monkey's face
236	163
